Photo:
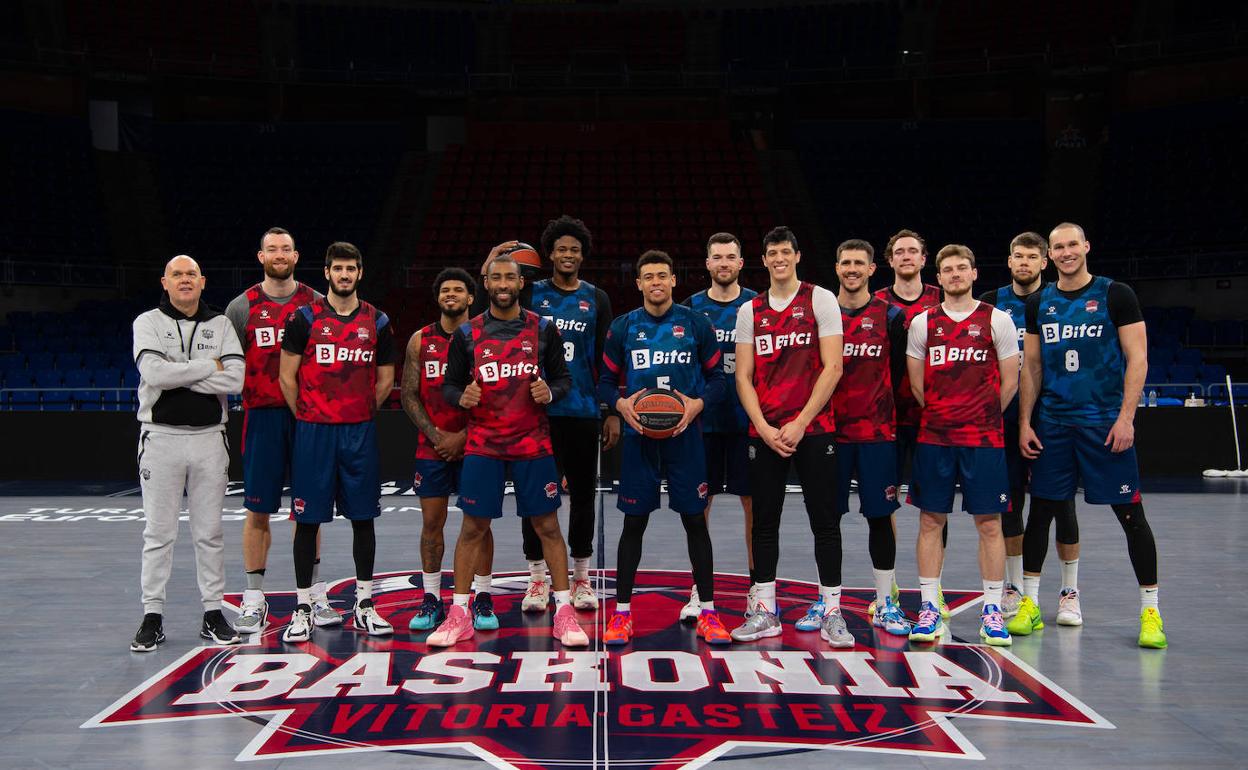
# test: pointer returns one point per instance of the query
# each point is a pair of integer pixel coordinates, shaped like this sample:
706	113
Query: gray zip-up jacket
180	388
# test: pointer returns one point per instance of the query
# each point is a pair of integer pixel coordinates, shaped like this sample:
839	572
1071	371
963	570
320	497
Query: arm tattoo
411	391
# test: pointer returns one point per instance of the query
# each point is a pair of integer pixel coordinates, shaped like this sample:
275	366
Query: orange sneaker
711	629
619	629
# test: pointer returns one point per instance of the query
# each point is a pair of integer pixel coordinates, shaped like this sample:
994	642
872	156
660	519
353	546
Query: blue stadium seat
69	361
1229	333
1211	373
1200	332
1160	357
41	360
53	400
1189	357
96	359
1182	373
22	401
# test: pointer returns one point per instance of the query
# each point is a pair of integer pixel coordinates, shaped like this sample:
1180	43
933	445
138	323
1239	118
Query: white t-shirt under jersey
827	314
1004	333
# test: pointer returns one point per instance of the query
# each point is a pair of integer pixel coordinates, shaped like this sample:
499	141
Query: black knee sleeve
1067	524
1036	533
1012	520
628	556
1141	546
305	553
828	549
363	548
882	543
701	555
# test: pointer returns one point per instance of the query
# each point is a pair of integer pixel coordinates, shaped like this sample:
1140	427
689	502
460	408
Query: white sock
1014	571
992	592
363	590
461	600
1031	587
831	596
303	596
482	583
1070	575
580	569
928	590
767	596
625	607
319	589
562	598
707	606
253	596
1148	598
883	584
432	581
537	571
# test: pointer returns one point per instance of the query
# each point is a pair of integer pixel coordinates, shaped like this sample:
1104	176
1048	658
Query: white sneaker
367	619
1068	610
693	607
300	628
537	598
324	615
583	595
254	616
1010	599
751	600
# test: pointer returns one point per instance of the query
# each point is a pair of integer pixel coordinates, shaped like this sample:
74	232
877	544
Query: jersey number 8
1072	360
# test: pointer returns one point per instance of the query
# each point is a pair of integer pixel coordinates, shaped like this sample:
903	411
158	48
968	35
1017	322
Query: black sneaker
151	633
216	629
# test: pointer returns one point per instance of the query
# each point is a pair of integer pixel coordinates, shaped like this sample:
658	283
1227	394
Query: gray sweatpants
168	464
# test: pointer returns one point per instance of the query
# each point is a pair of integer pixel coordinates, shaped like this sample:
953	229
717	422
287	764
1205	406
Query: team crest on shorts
514	698
890	492
297	505
552	490
703	489
416	479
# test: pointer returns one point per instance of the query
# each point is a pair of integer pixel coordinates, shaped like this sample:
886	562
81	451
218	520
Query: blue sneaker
929	626
483	617
813	619
429	616
891	618
992	628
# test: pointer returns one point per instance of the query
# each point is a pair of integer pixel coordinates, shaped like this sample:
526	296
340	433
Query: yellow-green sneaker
940	601
896	600
1027	620
1151	633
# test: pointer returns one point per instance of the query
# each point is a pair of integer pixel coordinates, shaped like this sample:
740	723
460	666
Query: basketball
525	255
659	411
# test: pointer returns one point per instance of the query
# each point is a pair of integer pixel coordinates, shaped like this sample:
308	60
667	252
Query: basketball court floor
74	696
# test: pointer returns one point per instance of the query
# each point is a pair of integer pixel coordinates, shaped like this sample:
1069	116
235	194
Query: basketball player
582	313
907	254
259	316
724	426
337	369
494	369
788	363
963	361
875	356
662	345
440	451
1027	260
1085	365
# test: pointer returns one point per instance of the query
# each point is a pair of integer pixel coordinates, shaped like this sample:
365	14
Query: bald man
189	359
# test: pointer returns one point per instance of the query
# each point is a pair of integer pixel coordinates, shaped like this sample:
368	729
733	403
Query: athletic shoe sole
421	623
916	637
1061	621
993	641
136	647
319	623
483	624
766	633
212	637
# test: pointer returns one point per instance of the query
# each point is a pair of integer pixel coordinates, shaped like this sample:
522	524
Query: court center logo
514	698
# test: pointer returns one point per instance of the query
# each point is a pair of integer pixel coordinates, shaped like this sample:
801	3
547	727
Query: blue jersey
1005	300
676	350
1083	363
575	314
728	417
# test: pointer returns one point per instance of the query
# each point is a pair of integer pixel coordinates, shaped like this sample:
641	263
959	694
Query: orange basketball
525	256
659	411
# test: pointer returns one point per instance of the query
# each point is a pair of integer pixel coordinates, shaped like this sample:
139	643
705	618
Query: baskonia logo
515	699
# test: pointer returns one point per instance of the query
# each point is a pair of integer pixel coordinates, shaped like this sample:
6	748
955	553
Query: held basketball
526	256
659	411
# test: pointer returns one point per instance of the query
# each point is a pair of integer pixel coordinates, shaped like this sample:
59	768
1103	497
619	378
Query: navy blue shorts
482	480
727	463
979	470
907	439
1075	453
436	478
268	438
645	462
875	465
334	464
1017	467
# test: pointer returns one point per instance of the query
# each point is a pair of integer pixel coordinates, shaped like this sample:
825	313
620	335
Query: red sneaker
711	629
619	629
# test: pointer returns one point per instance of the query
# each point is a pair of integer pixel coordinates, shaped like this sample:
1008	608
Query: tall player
337	369
907	255
582	313
875	357
443	432
789	344
963	361
724	425
505	366
662	345
1027	259
1086	357
259	316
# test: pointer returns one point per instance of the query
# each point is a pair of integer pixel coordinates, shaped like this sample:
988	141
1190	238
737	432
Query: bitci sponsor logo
515	698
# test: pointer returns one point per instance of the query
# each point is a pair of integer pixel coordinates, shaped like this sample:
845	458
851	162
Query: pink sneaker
456	628
567	630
